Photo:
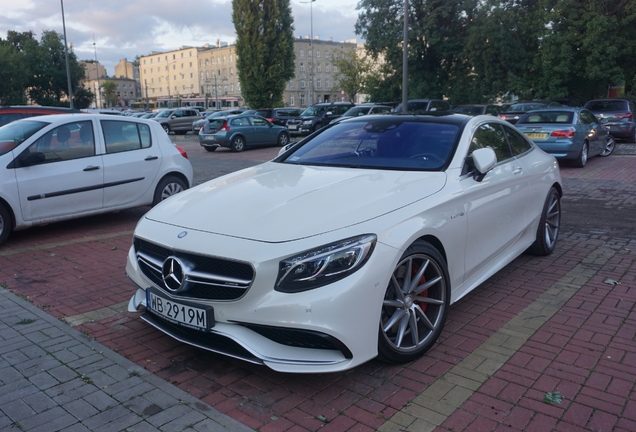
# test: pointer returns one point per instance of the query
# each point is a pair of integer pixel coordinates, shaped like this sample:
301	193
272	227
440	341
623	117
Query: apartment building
209	73
126	69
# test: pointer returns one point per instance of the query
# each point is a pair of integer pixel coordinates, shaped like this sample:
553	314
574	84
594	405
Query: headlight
307	122
324	265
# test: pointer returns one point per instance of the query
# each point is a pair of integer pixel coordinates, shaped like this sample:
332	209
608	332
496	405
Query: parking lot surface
545	344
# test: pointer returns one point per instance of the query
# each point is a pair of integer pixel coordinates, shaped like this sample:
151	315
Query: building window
326	68
327	83
302	100
335	69
302	53
302	83
302	67
317	54
190	62
231	58
326	54
191	75
318	83
291	100
319	68
232	87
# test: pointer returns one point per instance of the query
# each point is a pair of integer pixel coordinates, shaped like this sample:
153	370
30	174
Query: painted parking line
446	394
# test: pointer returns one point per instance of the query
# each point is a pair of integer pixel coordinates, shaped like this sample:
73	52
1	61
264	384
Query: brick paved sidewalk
54	378
545	344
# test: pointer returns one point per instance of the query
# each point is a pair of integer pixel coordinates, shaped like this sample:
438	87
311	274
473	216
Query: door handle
517	170
149	158
91	168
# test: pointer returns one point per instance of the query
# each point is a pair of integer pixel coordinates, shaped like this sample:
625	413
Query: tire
317	126
283	139
238	144
166	128
581	160
410	324
6	223
181	132
168	187
549	225
210	149
608	146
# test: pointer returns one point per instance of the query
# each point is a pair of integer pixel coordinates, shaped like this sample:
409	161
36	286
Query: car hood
276	202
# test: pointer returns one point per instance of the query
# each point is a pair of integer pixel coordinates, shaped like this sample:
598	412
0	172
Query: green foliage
36	70
82	98
109	90
553	397
264	50
475	51
353	70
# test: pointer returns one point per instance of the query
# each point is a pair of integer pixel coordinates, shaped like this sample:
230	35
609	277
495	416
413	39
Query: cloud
130	28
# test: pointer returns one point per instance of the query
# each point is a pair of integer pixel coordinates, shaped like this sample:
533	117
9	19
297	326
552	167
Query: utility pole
99	90
405	58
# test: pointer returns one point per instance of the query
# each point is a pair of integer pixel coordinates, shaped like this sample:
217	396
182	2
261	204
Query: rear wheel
5	223
166	128
167	187
549	225
283	139
415	304
238	144
210	149
608	146
582	159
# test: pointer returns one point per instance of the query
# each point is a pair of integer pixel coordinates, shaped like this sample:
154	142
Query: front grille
207	278
300	338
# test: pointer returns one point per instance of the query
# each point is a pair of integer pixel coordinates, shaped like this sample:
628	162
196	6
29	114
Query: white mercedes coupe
351	244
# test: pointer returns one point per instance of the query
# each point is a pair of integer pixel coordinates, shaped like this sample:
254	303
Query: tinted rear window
563	117
602	106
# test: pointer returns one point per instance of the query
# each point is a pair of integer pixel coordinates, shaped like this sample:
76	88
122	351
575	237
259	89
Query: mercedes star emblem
172	273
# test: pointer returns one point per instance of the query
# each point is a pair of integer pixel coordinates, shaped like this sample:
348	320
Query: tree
264	50
13	75
109	90
353	71
82	97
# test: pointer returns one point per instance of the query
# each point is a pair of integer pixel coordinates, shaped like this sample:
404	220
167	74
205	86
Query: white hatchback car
65	166
351	244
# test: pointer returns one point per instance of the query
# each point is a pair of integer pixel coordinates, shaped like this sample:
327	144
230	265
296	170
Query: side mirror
329	113
604	120
483	159
173	116
32	159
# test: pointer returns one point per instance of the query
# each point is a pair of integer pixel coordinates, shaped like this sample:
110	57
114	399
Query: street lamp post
311	49
405	58
68	66
98	93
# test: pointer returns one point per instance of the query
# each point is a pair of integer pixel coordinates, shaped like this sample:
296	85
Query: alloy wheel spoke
397	315
427	285
415	336
427	322
402	329
418	276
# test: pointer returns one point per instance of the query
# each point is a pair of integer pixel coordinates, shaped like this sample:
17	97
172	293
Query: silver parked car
177	120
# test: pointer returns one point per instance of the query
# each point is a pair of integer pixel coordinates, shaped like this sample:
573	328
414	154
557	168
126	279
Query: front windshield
164	114
380	143
14	134
525	107
314	111
357	111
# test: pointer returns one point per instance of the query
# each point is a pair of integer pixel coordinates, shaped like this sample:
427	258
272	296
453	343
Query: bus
143	105
206	103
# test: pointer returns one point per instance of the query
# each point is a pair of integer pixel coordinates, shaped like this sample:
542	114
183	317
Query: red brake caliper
422	294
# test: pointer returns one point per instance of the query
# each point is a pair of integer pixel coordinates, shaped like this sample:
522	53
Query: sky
110	30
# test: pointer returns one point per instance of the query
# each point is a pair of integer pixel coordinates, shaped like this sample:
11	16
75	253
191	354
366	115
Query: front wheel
549	225
210	149
168	187
238	144
166	128
6	224
608	146
415	304
283	139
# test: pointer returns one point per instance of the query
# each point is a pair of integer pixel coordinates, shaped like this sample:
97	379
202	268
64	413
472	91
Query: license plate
180	313
292	127
536	135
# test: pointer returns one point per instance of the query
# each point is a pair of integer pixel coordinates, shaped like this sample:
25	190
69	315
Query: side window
66	142
257	121
491	135
587	117
8	118
518	144
121	136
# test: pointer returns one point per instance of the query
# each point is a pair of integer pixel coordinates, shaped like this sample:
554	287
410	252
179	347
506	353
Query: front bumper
271	328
